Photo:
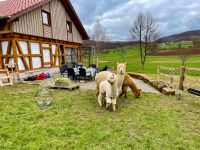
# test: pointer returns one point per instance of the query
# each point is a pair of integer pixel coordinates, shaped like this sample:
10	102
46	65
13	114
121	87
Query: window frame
69	23
48	17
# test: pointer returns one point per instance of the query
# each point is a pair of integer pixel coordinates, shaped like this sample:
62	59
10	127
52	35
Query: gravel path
90	86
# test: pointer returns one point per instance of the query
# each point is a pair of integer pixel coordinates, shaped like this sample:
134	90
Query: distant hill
185	36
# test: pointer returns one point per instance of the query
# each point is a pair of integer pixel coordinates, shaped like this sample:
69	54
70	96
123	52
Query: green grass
77	122
176	45
133	61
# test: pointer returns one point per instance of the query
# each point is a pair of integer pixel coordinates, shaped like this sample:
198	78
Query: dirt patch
90	86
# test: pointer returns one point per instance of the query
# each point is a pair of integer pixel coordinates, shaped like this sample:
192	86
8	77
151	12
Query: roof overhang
4	17
75	18
69	8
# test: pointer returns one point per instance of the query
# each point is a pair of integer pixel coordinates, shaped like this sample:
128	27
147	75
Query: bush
62	82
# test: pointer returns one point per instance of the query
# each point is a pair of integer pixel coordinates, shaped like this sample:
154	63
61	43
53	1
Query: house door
71	55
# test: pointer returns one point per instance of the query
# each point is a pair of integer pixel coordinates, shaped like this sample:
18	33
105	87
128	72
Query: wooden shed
38	34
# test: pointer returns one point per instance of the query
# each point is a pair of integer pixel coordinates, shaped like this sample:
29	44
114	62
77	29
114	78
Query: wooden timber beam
30	53
14	47
42	56
5	32
59	54
51	55
22	55
1	59
8	52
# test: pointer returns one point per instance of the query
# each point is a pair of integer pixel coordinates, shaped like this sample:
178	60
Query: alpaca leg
113	107
114	104
125	91
100	98
121	94
97	90
108	102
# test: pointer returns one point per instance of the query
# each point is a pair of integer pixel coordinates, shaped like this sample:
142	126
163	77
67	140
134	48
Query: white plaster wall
46	55
35	48
24	46
4	45
36	62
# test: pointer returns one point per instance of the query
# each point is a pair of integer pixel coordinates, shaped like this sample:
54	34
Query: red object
37	78
12	7
43	76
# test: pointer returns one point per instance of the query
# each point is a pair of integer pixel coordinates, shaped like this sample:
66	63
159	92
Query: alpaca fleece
129	82
102	76
108	90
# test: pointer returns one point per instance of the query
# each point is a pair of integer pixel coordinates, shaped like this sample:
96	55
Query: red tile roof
12	7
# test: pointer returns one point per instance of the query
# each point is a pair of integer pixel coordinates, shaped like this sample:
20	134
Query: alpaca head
121	68
138	93
112	78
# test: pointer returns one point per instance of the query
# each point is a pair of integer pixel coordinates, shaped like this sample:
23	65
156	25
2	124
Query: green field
133	61
71	122
176	45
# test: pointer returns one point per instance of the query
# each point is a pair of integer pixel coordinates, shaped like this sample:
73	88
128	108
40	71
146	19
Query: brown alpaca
128	82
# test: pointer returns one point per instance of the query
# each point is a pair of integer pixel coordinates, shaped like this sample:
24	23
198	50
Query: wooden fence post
171	80
182	78
158	73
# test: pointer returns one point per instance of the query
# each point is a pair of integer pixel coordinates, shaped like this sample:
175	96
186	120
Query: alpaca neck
120	80
114	89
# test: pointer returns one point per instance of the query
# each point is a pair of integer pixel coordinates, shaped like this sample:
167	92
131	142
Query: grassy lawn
75	121
133	61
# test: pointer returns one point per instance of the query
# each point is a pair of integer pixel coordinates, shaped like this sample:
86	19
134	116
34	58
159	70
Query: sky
173	16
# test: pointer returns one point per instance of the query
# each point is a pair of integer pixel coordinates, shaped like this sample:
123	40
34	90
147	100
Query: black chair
78	66
71	74
93	66
83	75
70	65
106	68
63	70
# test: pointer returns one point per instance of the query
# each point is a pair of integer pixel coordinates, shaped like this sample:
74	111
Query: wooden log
168	91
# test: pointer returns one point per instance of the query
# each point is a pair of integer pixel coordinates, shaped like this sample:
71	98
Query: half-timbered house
37	34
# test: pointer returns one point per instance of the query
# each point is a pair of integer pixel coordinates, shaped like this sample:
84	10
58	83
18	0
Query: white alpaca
102	76
108	91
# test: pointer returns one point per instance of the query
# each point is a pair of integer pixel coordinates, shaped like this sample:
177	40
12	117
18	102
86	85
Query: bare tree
98	36
145	31
183	54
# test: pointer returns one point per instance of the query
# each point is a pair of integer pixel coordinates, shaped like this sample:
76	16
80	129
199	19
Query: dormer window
69	26
46	17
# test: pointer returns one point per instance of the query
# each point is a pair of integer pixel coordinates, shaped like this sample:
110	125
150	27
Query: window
46	18
69	27
71	55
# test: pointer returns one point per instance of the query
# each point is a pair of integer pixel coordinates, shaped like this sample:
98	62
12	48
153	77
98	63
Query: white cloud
174	16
